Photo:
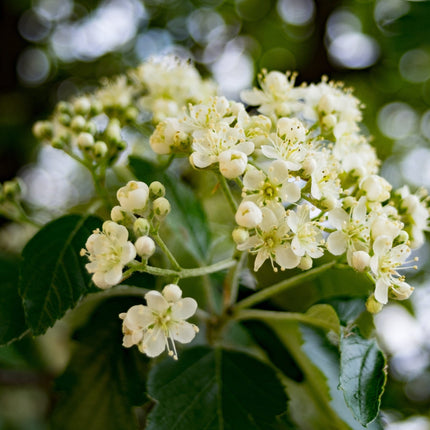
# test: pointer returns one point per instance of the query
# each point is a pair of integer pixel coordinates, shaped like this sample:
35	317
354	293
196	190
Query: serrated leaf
12	318
53	275
215	389
362	375
103	380
316	402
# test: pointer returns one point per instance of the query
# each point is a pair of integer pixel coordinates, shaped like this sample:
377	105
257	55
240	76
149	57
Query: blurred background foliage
52	49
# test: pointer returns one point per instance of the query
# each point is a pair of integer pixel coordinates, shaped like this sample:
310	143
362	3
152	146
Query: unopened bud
85	141
240	235
373	306
78	123
131	114
141	227
133	196
64	107
113	131
91	128
145	246
12	188
172	293
100	149
306	263
161	207
156	189
96	107
82	105
360	260
329	121
64	119
43	130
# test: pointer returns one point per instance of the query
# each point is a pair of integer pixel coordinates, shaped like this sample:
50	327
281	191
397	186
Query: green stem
166	251
181	273
227	193
249	314
231	284
268	292
99	181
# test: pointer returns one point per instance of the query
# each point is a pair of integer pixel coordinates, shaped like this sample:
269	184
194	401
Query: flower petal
184	308
381	291
336	243
286	258
153	343
183	332
156	301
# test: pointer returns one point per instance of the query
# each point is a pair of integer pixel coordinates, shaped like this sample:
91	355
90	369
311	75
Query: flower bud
118	214
64	107
329	121
133	196
172	293
100	149
161	207
82	105
43	130
401	291
78	123
373	306
96	107
145	246
131	114
64	119
156	189
376	188
113	131
248	215
306	263
141	227
85	141
12	189
90	127
232	163
360	260
240	235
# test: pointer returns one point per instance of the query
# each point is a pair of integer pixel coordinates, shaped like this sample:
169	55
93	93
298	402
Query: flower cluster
90	127
156	326
140	211
308	179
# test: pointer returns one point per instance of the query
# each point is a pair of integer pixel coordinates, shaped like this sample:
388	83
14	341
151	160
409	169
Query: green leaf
12	318
215	389
53	275
103	380
316	401
362	375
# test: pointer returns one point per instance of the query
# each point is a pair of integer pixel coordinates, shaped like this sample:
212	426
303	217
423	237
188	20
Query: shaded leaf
362	375
53	275
12	318
103	379
215	389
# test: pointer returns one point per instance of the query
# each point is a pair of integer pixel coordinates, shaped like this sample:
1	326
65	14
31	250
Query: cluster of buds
140	211
79	128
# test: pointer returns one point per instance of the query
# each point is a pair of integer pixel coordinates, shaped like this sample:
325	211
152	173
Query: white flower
274	186
168	136
232	163
271	240
377	189
156	326
308	238
133	196
384	264
108	251
248	215
209	144
290	151
291	129
277	96
353	233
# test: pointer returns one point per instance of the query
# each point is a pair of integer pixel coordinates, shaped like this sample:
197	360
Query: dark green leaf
12	318
316	402
144	170
103	380
215	389
53	275
362	375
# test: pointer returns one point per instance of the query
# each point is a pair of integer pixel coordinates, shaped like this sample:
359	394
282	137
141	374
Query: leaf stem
166	251
248	314
231	283
180	273
268	292
227	192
